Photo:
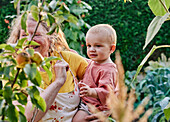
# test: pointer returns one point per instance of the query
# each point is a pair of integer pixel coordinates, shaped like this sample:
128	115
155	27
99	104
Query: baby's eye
88	45
98	45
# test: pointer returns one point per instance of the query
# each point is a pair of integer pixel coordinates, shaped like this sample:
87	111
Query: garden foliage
155	84
19	63
130	20
7	13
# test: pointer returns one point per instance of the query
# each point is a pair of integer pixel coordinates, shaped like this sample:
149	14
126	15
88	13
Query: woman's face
40	36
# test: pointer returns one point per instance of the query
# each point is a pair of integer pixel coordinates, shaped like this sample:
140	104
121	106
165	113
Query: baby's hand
85	90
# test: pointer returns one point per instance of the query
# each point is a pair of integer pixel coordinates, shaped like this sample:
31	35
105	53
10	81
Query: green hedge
6	9
130	20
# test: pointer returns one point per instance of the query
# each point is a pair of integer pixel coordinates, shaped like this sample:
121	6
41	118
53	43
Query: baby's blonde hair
108	29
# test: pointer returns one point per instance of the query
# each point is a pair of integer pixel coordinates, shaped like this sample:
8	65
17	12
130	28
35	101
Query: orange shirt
77	64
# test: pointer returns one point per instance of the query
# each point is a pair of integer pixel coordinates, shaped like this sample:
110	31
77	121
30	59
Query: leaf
51	58
8	94
81	35
22	79
22	98
37	80
12	113
70	34
45	8
3	46
154	27
72	19
143	62
53	4
167	111
23	21
32	43
36	98
51	18
87	5
60	19
15	3
70	1
22	117
141	83
20	42
32	2
59	12
163	103
10	48
157	8
30	51
21	108
49	73
157	116
33	91
35	12
7	71
41	104
66	8
30	70
2	103
78	11
52	29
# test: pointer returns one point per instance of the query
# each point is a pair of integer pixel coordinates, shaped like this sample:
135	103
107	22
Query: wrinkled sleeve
81	67
76	62
106	78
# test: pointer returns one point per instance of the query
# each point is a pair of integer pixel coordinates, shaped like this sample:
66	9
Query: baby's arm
108	78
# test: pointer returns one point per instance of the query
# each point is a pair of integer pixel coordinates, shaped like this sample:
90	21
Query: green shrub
156	84
6	9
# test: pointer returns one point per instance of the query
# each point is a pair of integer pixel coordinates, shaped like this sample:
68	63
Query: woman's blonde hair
57	40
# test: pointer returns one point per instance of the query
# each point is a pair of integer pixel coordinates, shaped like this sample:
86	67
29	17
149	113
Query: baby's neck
105	61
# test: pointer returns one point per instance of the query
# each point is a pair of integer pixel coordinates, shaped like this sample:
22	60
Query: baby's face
98	47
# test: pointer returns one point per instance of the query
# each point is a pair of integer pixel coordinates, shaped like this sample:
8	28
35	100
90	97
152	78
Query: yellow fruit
37	58
22	59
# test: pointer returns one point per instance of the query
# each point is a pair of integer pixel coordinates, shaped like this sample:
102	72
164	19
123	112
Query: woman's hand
92	118
95	117
60	69
86	91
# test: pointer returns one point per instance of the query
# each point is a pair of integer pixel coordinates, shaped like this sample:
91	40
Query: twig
34	114
166	9
18	69
3	116
43	2
35	30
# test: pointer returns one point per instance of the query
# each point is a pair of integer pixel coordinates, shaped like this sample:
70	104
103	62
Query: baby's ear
113	47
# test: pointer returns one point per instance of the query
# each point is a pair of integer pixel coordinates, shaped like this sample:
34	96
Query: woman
62	100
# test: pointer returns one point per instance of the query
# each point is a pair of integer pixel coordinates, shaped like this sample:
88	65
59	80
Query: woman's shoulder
73	57
69	54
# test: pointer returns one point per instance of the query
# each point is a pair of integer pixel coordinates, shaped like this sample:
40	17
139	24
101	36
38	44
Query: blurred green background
130	21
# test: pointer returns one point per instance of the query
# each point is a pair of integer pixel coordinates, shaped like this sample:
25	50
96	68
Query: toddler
101	71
